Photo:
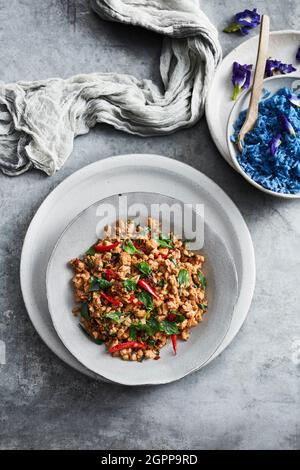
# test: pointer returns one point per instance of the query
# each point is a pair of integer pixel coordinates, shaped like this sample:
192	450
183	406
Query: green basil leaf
91	251
97	283
183	278
201	279
129	247
163	241
179	318
115	316
130	284
146	299
152	326
174	261
202	306
85	311
169	327
97	341
132	332
144	268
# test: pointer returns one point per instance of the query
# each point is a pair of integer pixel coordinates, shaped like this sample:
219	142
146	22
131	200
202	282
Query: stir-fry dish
139	290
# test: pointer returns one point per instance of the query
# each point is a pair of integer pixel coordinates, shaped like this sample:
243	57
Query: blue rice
279	172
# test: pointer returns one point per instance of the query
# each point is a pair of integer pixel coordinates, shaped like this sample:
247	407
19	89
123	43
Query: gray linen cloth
39	119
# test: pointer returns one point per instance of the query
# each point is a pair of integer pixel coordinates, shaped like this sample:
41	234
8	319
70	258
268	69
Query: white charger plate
283	45
222	293
121	174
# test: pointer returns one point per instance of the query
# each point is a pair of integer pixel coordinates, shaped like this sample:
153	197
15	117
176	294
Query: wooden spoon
257	86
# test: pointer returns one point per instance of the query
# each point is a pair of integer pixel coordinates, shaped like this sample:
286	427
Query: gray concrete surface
249	396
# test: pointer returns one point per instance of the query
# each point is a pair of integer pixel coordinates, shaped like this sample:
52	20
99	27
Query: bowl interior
271	86
222	291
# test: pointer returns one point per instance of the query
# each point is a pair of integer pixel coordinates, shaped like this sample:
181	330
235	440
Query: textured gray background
249	396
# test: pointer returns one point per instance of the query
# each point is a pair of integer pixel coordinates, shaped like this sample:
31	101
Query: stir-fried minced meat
138	291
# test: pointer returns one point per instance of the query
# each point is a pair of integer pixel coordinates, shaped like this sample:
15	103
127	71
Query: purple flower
286	125
298	54
275	143
244	21
241	75
276	67
294	99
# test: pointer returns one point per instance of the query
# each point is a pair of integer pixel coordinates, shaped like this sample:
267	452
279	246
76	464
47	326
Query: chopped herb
179	318
149	328
201	279
144	268
91	251
169	327
97	341
202	306
151	341
146	299
98	283
161	283
183	278
85	311
130	284
115	316
163	241
174	261
132	332
152	326
129	247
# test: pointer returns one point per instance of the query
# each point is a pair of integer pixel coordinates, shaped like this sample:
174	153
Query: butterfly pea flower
276	67
243	22
286	125
298	54
275	144
241	75
294	99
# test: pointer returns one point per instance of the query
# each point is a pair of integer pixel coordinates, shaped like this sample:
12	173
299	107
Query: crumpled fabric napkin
39	119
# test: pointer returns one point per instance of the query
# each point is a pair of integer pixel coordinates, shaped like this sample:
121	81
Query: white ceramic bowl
271	85
222	292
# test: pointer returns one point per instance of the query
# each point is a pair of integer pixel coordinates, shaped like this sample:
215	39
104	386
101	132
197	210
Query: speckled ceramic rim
240	239
125	380
234	151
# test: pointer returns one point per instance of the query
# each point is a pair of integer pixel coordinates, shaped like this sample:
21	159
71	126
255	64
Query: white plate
283	46
222	291
127	173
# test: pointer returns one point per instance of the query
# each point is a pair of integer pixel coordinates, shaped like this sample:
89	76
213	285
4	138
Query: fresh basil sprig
129	247
146	299
85	311
201	279
130	284
183	278
144	268
169	327
98	283
115	316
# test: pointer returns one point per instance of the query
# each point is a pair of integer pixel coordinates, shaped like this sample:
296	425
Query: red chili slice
110	299
171	317
144	285
139	247
128	344
103	248
174	343
110	274
132	298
